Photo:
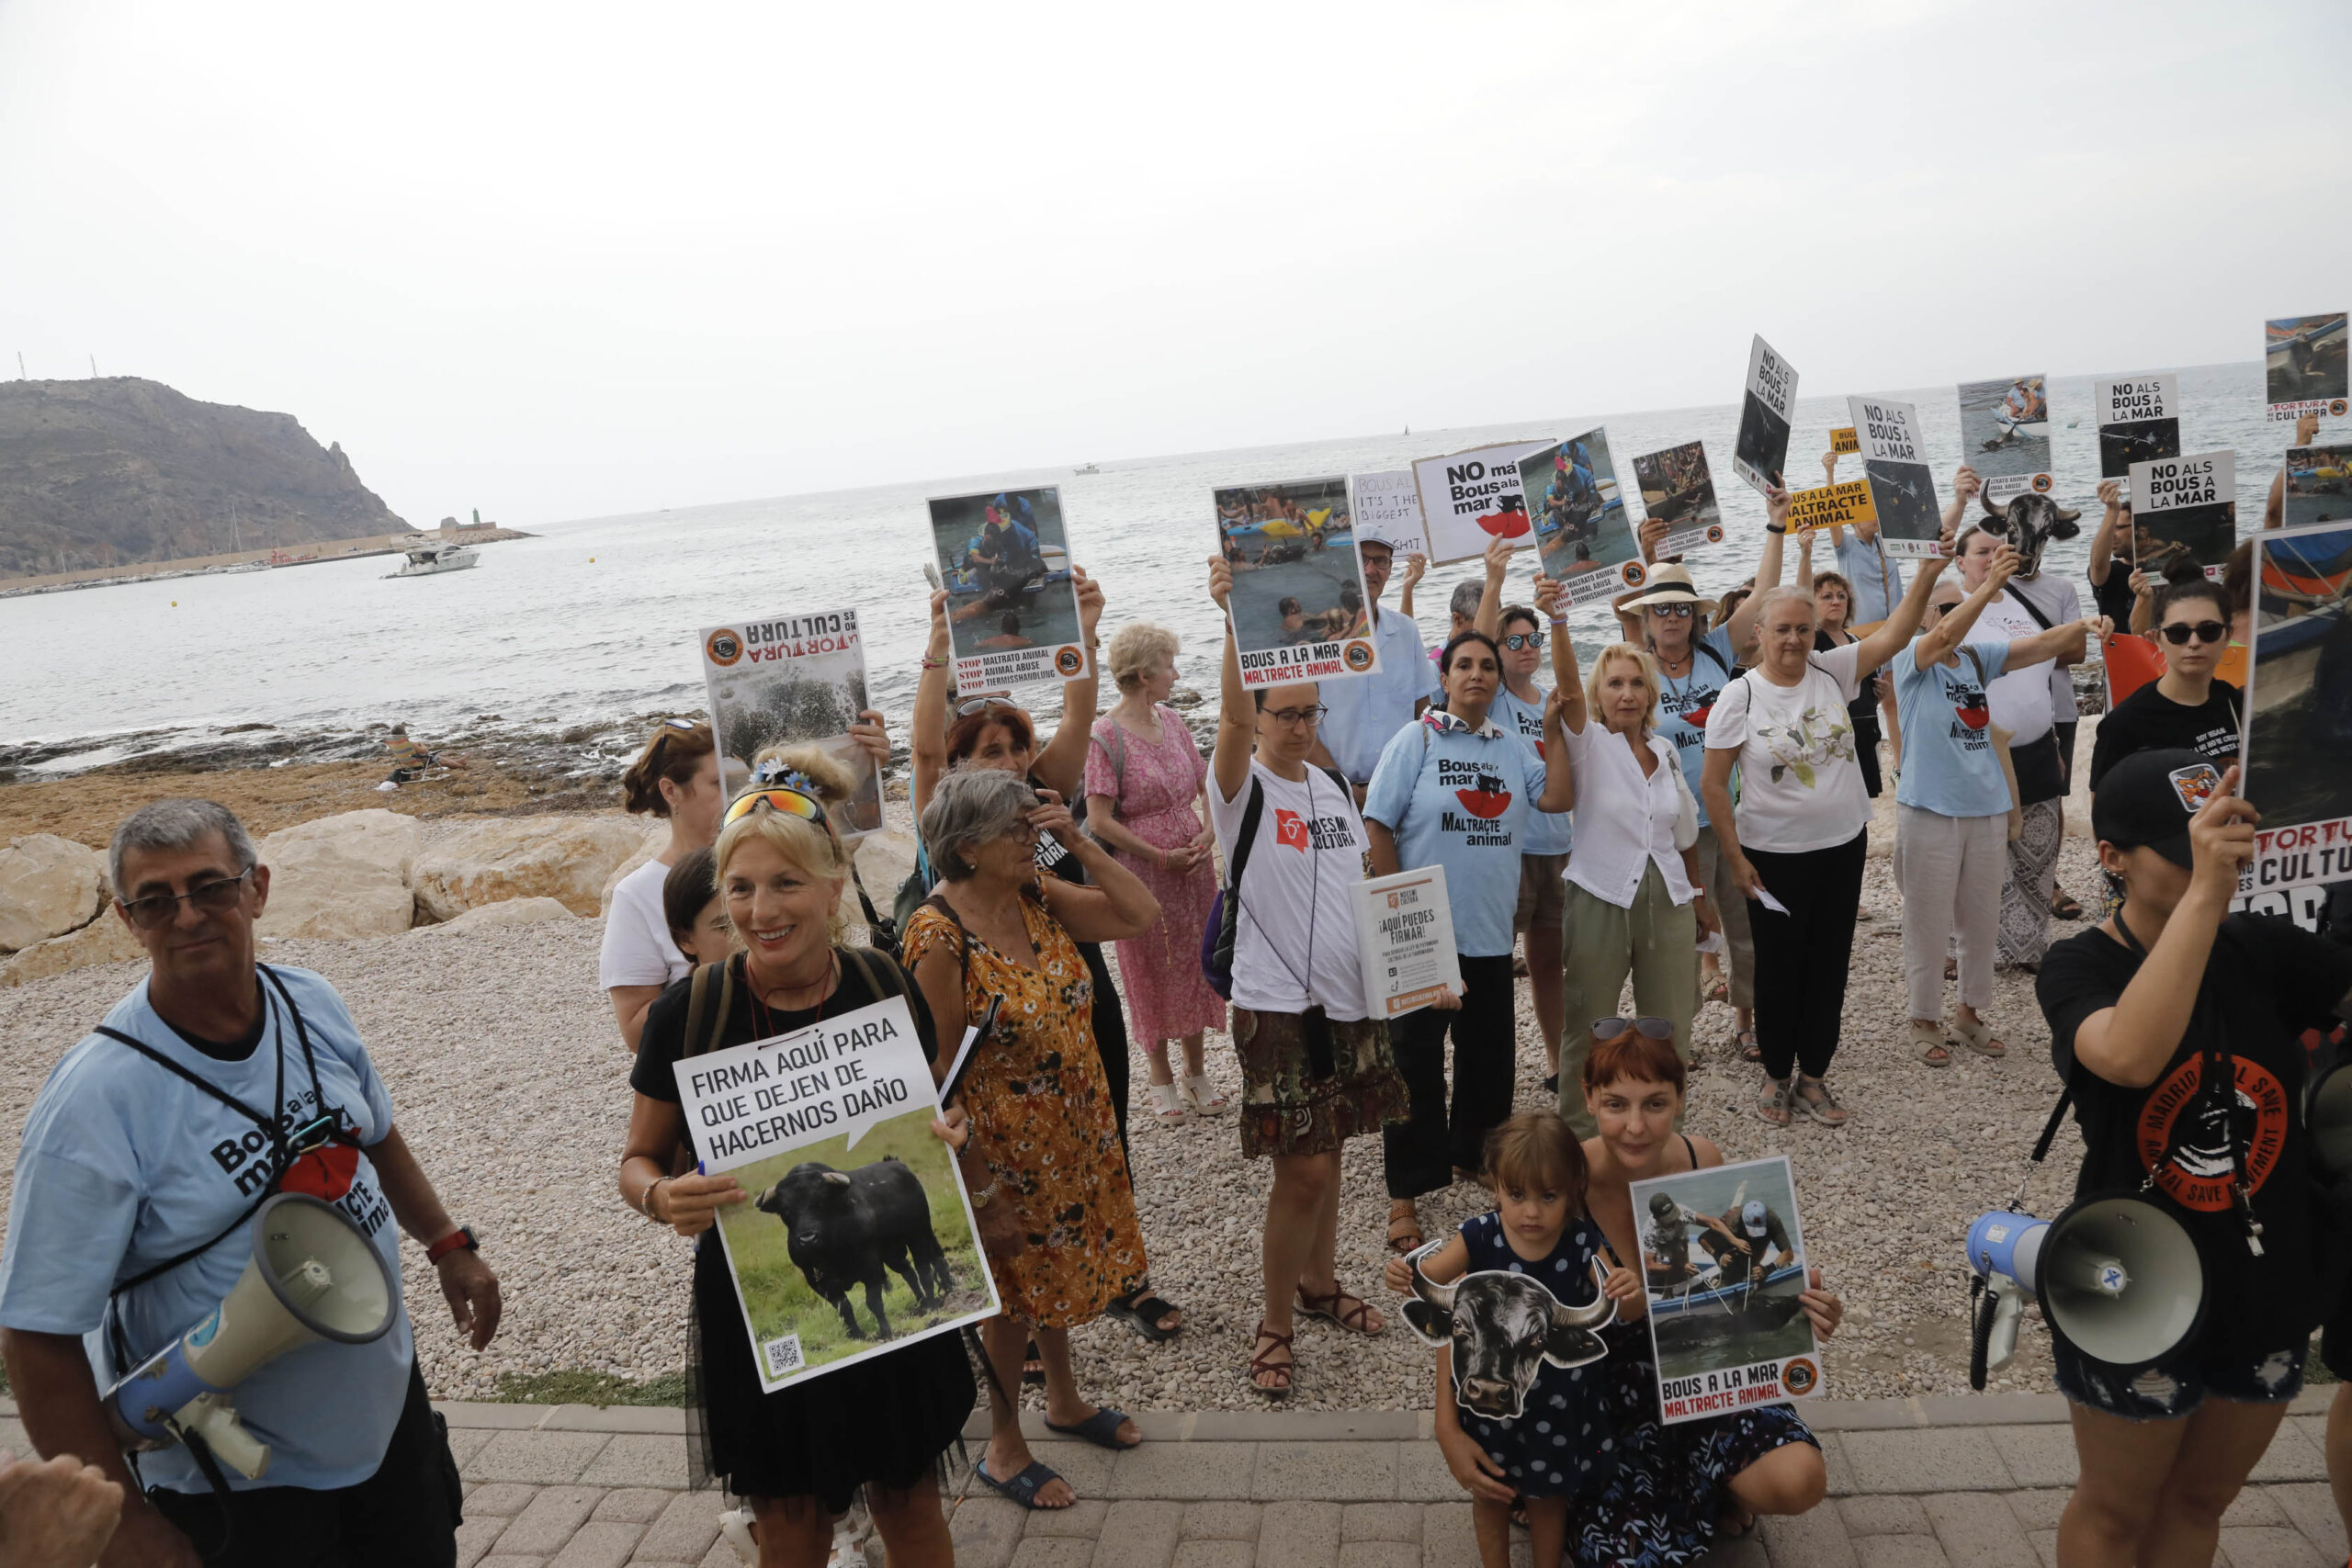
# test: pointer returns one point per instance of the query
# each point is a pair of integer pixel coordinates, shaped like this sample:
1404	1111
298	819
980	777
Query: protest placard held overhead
1298	599
2298	757
1387	508
2139	421
1761	452
1677	489
1582	530
2184	509
1012	605
2319	485
1827	506
2005	434
1470	499
1903	491
774	681
2303	366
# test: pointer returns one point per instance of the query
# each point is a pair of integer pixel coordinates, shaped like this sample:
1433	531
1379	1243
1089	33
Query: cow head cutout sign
1502	1327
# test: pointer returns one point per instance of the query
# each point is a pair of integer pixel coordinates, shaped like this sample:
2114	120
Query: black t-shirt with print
2267	981
2147	720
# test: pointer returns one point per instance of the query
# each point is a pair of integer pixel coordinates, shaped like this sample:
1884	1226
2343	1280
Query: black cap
2148	798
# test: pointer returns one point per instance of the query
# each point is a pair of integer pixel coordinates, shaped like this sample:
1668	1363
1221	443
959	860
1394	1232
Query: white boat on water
428	560
1089	468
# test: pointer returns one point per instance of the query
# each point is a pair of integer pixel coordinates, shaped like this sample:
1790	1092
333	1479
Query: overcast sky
568	260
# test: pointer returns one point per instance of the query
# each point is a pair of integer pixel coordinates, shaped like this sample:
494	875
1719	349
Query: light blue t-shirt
1547	831
1367	710
1461	799
1683	706
124	1165
1877	577
1949	764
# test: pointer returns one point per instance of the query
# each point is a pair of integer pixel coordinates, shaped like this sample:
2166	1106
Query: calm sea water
595	619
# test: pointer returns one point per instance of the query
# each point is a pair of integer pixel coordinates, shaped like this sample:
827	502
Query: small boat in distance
426	559
1089	468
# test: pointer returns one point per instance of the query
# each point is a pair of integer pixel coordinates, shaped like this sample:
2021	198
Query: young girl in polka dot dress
1562	1442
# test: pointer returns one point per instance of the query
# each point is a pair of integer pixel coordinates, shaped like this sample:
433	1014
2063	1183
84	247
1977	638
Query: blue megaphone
2117	1276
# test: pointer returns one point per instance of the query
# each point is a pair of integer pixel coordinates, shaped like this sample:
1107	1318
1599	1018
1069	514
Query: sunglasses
1647	1027
1679	612
162	908
1518	640
982	705
1308	717
686	726
2177	633
778	797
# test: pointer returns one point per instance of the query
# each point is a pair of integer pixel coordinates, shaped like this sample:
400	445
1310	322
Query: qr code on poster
783	1355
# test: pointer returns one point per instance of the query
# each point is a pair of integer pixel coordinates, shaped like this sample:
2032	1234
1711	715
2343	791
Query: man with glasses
216	1083
1365	711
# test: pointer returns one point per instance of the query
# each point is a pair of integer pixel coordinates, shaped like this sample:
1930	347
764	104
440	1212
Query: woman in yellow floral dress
1039	1104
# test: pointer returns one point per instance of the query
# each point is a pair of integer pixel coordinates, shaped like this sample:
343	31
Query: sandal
1773	1103
1167	1104
1023	1488
1718	988
1356	1319
2063	905
1142	1313
1403	1228
1102	1429
1261	1365
1744	1041
1813	1097
1927	1040
1978	1037
1202	1096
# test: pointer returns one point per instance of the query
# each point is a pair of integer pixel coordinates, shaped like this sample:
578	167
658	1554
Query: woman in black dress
799	1454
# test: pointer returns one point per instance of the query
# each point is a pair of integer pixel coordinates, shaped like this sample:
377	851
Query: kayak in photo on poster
1723	1261
2319	485
1470	499
2297	766
1903	490
786	680
2139	421
1761	453
1012	616
2185	509
858	1236
2004	435
2303	366
1582	531
1298	601
1831	506
1678	489
1405	942
1389	508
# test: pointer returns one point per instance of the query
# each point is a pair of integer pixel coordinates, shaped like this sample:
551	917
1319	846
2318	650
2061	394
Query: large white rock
528	857
104	941
506	912
657	838
343	876
48	886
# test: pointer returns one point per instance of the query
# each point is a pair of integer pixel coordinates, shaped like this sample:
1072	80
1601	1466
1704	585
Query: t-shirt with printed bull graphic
1460	799
1683	707
124	1165
1949	763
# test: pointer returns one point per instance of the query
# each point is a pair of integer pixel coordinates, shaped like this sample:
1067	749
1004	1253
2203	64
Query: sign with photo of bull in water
1298	603
1894	461
1724	1261
1762	449
858	1236
2184	509
2139	421
1471	499
2004	435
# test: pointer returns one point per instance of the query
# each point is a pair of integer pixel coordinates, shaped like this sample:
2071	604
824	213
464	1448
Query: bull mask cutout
1502	1326
2027	524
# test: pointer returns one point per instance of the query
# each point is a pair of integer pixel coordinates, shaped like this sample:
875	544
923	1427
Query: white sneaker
735	1528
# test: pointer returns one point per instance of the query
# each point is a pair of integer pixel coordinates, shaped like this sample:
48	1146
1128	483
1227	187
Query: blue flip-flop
1102	1429
1023	1488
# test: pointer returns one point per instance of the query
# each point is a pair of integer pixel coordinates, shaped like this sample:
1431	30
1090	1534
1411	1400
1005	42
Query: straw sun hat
1671	585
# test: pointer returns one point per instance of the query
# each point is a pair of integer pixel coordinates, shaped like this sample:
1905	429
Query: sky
570	260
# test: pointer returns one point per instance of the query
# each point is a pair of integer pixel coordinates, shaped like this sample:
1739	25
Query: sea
592	625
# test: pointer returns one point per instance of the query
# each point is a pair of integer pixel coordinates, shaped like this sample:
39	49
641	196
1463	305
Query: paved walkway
1914	1483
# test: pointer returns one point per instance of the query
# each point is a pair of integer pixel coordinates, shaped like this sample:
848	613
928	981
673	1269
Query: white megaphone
2117	1276
313	1276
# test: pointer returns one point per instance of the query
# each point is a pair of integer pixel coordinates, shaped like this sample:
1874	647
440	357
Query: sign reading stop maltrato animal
858	1236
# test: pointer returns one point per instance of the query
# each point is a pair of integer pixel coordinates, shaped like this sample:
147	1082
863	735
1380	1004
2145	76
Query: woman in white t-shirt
674	778
1315	1070
1802	830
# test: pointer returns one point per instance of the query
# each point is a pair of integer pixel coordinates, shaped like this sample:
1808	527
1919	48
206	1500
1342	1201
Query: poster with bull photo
2185	509
1387	507
789	679
1298	599
858	1236
1582	531
1678	489
2005	434
1894	461
1761	453
2303	366
2139	421
2298	759
1471	499
1011	604
1724	1260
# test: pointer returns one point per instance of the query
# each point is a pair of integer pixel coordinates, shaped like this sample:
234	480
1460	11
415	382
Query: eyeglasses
162	908
1308	717
982	705
1647	1027
779	797
1679	612
2177	633
1518	640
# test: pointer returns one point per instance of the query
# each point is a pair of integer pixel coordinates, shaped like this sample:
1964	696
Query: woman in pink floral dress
1143	784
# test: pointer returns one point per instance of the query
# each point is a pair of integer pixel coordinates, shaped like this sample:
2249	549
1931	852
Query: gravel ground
510	1082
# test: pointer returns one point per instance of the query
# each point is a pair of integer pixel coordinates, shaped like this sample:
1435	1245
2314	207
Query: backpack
883	979
1218	935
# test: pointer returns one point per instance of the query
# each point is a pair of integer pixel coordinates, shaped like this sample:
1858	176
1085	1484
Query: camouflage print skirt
1287	1109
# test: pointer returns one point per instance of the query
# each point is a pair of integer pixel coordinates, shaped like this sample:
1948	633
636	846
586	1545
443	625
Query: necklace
825	984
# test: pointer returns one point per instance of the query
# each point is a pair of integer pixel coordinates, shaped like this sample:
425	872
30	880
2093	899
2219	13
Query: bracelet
931	663
1769	529
1559	620
645	1200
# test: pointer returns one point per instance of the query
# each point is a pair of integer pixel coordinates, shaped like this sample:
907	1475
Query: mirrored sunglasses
1679	612
778	797
1647	1027
1518	640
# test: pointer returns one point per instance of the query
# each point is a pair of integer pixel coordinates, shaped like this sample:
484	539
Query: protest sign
1472	498
1678	489
828	1129
1298	603
1762	449
2297	766
1902	490
1723	1258
790	678
1387	507
2319	485
2139	421
2303	366
1831	506
2184	509
1012	605
1405	942
1842	439
2004	435
1581	530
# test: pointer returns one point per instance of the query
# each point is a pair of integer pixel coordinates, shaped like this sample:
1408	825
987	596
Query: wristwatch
462	1239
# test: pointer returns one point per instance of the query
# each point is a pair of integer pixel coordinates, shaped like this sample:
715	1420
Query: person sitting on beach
410	759
142	1169
1008	634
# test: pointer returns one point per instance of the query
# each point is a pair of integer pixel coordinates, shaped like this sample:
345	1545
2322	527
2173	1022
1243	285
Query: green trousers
1656	942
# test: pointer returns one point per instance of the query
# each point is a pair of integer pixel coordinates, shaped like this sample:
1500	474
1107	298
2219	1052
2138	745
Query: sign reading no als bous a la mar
1895	464
2184	509
1405	942
1761	451
1389	508
2138	420
1831	506
1297	603
857	1237
1470	499
784	680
